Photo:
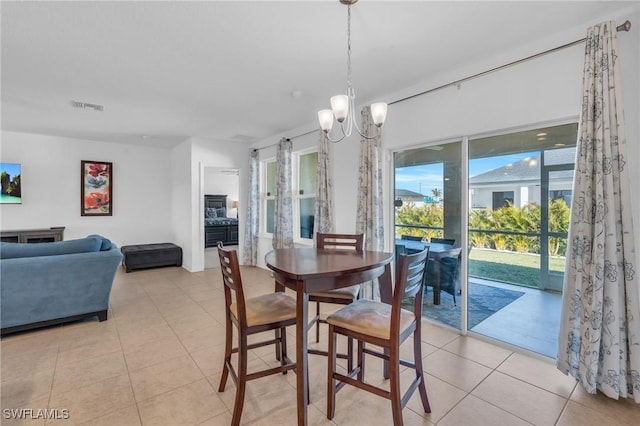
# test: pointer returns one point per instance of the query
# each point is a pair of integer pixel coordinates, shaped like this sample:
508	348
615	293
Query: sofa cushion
18	250
106	243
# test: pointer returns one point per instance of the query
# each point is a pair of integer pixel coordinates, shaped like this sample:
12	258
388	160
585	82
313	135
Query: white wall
546	90
51	188
157	193
181	187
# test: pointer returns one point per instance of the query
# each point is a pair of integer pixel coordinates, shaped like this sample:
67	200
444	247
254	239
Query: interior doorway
224	182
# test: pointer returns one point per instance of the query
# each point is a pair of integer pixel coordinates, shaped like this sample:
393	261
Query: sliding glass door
520	191
516	219
428	206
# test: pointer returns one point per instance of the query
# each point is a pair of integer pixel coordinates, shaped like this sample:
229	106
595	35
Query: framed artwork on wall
10	174
96	188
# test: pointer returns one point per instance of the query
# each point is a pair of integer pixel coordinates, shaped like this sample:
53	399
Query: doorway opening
221	218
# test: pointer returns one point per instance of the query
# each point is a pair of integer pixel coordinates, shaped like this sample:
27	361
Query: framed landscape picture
10	181
96	188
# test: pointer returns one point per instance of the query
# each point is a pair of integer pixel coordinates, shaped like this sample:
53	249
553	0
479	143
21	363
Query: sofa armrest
49	287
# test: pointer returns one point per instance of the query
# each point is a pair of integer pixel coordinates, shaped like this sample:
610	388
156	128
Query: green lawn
510	267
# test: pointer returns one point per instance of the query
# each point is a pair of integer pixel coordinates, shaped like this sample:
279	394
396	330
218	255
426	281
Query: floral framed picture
96	188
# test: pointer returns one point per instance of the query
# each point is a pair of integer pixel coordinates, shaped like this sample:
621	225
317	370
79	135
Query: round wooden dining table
306	270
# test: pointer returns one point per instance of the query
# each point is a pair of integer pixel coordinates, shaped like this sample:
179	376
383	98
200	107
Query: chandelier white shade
325	117
343	106
378	113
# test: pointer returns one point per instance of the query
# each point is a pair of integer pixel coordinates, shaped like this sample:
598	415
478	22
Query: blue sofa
50	283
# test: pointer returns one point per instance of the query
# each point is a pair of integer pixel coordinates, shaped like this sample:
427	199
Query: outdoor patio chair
449	273
450	241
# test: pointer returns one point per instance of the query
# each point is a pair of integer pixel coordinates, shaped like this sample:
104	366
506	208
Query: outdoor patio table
436	252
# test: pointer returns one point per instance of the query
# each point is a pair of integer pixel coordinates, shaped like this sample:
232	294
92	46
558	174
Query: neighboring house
519	183
418	199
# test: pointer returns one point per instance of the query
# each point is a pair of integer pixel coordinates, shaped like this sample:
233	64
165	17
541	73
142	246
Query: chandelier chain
343	106
349	46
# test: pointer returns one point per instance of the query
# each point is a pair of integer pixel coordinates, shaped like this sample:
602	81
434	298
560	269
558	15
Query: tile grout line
126	365
53	375
170	390
186	349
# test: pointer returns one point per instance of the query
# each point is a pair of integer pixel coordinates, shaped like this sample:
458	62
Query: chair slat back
410	273
232	280
409	283
340	241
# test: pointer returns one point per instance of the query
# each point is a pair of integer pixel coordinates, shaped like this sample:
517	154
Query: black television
10	174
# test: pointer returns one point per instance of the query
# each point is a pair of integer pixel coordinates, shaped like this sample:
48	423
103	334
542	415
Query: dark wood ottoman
150	256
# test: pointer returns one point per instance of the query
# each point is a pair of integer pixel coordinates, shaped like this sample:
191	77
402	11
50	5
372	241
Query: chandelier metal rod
344	107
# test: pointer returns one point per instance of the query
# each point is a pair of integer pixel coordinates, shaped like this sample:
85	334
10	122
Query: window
561	194
502	199
304	193
269	195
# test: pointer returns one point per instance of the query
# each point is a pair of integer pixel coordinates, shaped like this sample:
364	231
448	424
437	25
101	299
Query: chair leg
331	383
282	348
394	384
279	332
349	354
242	380
317	322
417	356
227	355
361	361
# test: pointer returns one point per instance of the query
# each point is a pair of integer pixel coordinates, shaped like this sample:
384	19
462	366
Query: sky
424	178
12	169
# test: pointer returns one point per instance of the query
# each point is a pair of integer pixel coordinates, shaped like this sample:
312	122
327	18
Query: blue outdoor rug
484	301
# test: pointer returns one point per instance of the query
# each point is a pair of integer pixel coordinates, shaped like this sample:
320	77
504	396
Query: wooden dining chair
386	326
273	311
341	296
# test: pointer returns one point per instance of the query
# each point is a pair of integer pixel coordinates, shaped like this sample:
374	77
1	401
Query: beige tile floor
158	358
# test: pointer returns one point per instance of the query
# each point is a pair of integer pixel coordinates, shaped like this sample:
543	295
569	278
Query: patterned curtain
599	342
250	242
324	189
283	216
369	219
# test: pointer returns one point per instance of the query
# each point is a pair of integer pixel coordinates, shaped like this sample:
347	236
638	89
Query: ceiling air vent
85	105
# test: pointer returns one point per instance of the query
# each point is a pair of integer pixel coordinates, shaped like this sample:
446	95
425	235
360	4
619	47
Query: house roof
527	169
407	193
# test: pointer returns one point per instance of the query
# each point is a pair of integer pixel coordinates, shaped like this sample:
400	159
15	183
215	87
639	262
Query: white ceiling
165	71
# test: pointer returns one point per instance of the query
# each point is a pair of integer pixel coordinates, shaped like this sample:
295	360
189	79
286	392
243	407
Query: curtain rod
292	137
626	26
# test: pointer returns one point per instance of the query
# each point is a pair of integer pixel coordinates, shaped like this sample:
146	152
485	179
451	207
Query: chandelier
343	106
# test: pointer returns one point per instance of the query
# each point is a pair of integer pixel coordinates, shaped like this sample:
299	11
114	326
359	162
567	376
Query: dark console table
46	235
